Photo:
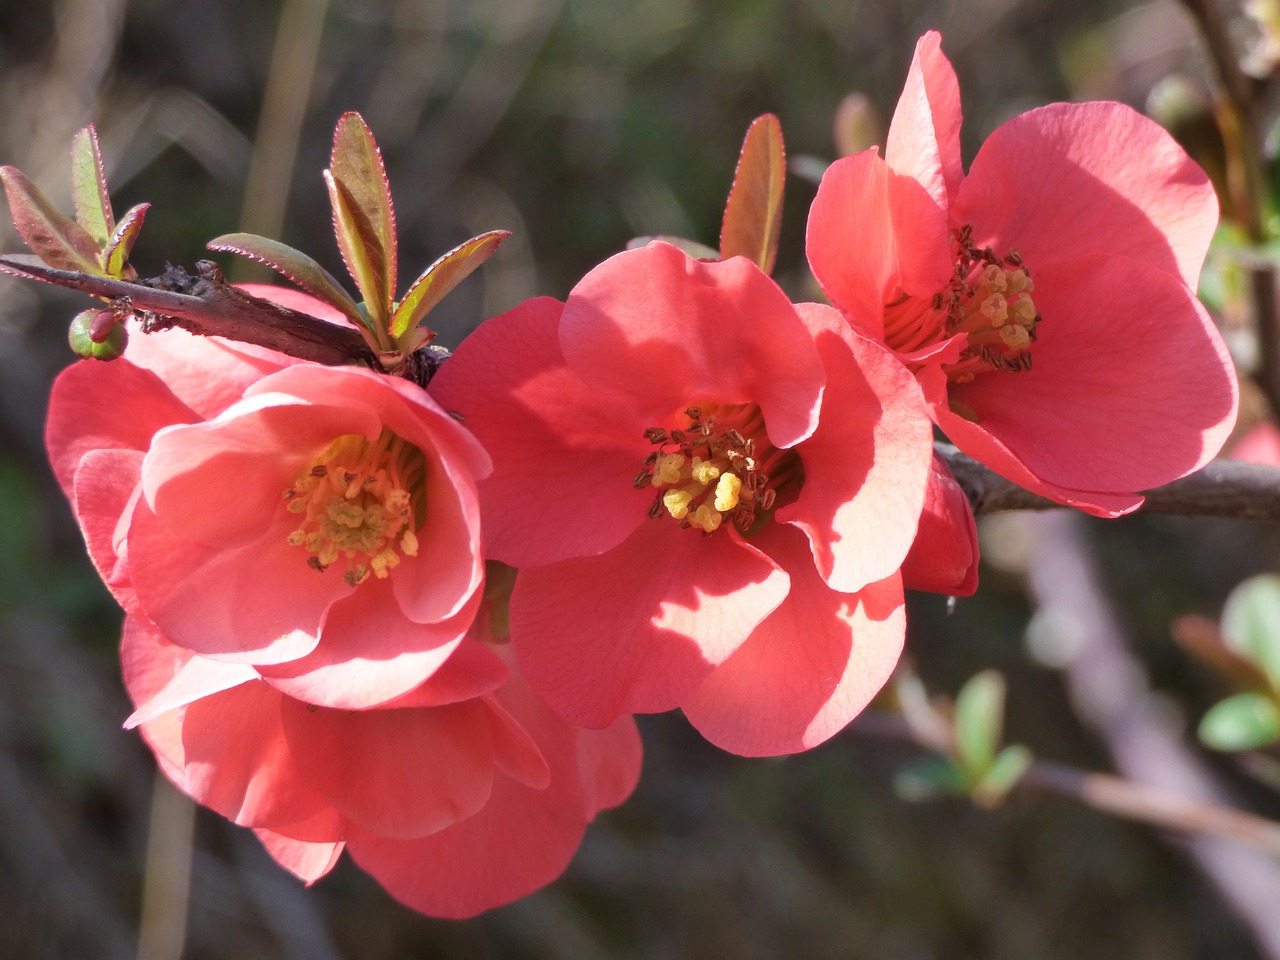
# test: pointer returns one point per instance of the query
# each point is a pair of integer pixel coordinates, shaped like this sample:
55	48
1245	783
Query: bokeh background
580	124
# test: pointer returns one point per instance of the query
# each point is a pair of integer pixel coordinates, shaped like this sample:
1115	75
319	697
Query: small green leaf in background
1242	722
978	723
1251	623
753	214
929	777
1002	776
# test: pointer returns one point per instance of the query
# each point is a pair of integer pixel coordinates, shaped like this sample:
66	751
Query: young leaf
928	777
356	165
1242	722
1003	774
58	240
979	718
120	243
753	213
441	277
295	265
89	187
360	251
1251	623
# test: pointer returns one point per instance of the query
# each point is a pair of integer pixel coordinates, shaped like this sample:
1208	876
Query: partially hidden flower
1044	299
708	492
1261	444
464	794
318	525
944	556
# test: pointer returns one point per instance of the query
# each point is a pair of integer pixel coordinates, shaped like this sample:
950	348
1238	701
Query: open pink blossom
1260	445
1074	241
463	794
708	492
318	525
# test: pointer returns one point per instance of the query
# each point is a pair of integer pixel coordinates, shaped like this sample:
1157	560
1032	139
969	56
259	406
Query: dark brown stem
1223	488
208	306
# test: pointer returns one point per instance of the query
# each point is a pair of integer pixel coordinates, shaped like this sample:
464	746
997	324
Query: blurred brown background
578	124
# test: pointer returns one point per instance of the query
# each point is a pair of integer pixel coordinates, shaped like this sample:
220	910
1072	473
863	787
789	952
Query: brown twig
1223	488
206	305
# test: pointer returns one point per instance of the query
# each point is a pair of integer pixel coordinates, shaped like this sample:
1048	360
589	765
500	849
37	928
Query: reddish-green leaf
753	214
295	265
120	243
56	238
441	277
363	215
89	187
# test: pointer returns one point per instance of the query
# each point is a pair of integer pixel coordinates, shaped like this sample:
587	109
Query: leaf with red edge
753	213
295	265
89	187
115	254
56	238
441	277
364	218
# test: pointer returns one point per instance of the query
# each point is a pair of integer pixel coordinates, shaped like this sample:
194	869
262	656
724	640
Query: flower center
362	502
988	298
715	469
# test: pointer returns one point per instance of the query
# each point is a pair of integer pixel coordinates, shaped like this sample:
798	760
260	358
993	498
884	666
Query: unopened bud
97	335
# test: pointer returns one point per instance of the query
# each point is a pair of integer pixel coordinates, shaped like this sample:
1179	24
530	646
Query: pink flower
1260	445
708	492
944	556
464	794
318	525
1075	241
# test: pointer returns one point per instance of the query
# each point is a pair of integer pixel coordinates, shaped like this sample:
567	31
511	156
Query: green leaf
1242	722
978	722
1251	623
753	213
441	277
89	187
1003	774
295	265
699	251
57	239
929	777
364	219
120	244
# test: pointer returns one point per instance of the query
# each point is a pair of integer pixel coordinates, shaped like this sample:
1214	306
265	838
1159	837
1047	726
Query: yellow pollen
677	503
704	471
706	519
667	469
357	502
996	309
1015	337
727	492
993	278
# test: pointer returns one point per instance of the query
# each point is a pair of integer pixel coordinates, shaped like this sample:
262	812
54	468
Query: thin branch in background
1245	98
1111	694
284	105
167	874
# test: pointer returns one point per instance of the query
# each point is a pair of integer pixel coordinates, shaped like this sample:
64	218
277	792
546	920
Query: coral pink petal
239	762
867	464
1259	445
852	241
305	860
1069	180
515	752
222	482
521	840
654	331
205	373
610	763
807	670
398	773
636	630
924	134
105	486
186	588
369	653
509	383
944	556
324	826
1122	397
472	670
149	662
85	412
199	677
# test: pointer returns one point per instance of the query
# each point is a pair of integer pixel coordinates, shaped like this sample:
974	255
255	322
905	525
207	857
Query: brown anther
314	563
642	479
677	436
693	413
1013	258
655	508
655	435
319	470
936	302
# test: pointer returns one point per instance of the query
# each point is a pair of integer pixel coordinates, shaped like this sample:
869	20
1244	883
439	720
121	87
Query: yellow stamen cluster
358	504
988	298
713	474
